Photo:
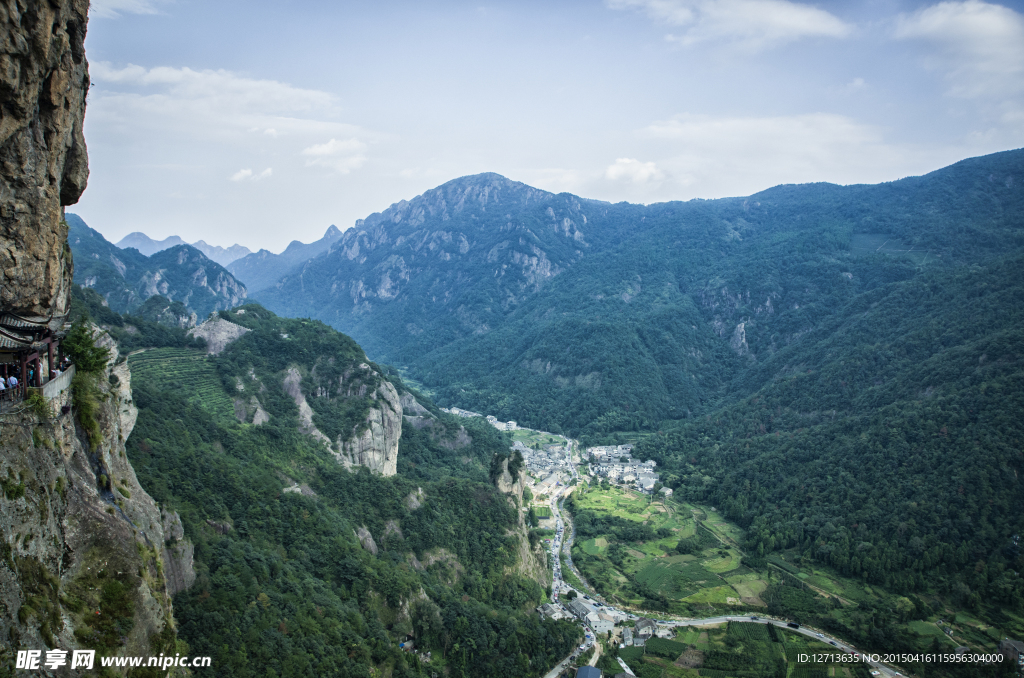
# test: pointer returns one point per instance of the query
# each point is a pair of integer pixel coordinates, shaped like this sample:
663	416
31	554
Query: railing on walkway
9	397
54	387
12	397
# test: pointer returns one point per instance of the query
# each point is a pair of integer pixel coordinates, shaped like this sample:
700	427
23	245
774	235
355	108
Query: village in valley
711	577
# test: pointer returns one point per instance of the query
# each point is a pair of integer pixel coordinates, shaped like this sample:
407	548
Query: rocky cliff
43	162
81	564
531	561
374	444
83	545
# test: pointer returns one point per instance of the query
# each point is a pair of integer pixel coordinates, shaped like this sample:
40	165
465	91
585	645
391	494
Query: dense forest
285	586
892	449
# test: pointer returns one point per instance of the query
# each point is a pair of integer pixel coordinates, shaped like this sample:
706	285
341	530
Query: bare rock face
415	499
509	485
376	445
366	539
530	562
75	525
178	555
374	442
74	517
43	160
293	387
218	333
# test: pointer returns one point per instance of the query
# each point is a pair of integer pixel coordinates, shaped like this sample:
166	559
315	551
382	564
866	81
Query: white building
600	622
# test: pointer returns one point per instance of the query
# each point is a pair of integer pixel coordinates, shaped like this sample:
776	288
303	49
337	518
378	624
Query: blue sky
263	122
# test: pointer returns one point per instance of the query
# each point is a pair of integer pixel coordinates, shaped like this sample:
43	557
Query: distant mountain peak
473	192
146	245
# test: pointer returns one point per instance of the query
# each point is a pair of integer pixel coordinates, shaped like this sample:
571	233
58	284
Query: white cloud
633	171
244	174
113	8
342	156
229	115
218	90
980	46
720	156
753	24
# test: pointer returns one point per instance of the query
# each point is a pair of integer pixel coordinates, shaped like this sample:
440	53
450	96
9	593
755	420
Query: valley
492	429
702	424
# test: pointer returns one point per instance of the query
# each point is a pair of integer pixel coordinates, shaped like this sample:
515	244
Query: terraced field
187	371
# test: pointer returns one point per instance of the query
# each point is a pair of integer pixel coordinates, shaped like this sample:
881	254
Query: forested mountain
326	570
887	444
448	264
262	269
590	318
126	278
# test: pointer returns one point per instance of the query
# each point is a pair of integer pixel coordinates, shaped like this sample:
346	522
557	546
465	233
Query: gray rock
218	333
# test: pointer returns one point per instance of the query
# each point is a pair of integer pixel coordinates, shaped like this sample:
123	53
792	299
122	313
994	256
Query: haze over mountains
585	316
264	268
146	245
126	278
588	317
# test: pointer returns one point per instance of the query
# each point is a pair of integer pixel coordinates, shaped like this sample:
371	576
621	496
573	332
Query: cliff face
80	540
376	445
531	562
43	162
78	534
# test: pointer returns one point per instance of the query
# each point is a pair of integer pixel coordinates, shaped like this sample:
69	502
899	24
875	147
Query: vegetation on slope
284	586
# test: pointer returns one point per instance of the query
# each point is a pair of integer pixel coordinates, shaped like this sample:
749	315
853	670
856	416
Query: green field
188	372
529	437
624	570
542	511
734	649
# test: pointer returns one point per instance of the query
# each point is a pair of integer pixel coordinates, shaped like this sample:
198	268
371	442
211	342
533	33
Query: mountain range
262	269
146	245
126	278
588	317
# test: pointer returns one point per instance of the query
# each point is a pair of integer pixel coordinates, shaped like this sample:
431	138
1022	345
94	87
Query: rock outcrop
218	333
293	387
366	539
375	444
531	562
76	529
178	555
44	79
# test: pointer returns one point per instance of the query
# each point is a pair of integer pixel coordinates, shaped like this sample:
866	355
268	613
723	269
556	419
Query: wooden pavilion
28	345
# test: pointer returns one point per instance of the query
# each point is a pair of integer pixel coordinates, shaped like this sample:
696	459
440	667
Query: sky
261	122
